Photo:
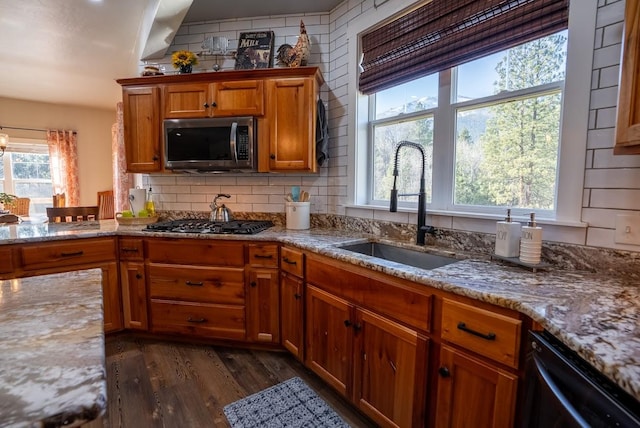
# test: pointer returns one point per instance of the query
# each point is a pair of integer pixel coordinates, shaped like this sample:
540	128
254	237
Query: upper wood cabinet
141	105
283	101
232	98
291	118
628	123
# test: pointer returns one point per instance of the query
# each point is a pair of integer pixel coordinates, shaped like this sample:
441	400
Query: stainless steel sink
400	255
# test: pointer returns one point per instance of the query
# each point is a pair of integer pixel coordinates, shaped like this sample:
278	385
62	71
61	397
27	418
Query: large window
496	131
25	172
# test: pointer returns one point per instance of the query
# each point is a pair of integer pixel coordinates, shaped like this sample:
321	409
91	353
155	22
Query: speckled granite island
52	363
593	313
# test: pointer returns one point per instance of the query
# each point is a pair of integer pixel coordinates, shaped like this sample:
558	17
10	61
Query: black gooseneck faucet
422	208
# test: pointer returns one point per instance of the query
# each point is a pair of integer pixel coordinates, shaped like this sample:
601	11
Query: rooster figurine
297	55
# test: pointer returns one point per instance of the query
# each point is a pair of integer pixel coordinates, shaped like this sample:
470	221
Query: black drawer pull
444	372
297	296
489	336
263	256
289	261
347	323
129	250
196	320
194	284
138	276
75	253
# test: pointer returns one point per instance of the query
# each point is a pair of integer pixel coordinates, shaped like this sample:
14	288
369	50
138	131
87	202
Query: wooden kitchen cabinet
289	141
219	99
263	293
133	283
142	128
196	288
292	301
628	121
473	393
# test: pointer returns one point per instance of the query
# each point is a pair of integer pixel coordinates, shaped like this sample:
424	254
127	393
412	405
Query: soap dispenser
531	242
508	237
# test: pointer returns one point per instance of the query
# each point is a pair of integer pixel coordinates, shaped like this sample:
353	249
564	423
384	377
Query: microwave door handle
234	153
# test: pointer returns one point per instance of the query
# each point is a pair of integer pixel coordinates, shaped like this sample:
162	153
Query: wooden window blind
444	33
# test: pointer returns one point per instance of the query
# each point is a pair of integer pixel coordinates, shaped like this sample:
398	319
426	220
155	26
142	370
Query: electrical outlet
627	229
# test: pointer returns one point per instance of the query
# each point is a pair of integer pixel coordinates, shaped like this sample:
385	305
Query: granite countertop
52	364
594	314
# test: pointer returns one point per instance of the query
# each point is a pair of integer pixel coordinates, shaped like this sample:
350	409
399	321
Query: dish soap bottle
531	242
508	237
149	205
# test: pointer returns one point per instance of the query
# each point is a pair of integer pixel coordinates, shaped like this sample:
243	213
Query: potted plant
6	198
184	60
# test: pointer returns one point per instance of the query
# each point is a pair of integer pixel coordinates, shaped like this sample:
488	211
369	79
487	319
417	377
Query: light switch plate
627	229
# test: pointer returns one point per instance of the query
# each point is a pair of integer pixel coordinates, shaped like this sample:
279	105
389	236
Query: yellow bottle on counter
149	205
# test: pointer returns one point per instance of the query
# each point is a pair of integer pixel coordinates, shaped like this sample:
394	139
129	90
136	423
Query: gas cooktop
237	227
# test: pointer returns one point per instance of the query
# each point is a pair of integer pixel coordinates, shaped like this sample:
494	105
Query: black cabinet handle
444	372
196	320
357	327
129	250
73	254
263	256
138	276
489	336
297	296
253	283
213	104
206	105
272	156
194	284
155	158
288	261
347	323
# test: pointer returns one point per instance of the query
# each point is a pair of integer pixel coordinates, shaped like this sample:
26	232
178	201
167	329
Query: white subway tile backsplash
606	117
603	98
623	178
606	159
600	138
623	199
609	76
607	56
612	34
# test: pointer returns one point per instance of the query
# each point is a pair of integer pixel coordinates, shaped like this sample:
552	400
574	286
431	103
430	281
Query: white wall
94	137
612	183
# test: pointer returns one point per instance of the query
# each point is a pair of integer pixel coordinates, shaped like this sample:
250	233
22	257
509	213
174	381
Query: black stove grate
235	227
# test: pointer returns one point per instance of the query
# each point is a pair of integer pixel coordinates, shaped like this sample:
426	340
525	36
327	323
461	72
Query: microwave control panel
243	145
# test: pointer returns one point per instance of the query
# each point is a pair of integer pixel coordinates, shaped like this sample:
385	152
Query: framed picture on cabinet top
255	50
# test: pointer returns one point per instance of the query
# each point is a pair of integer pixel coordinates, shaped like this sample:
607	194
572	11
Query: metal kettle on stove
220	212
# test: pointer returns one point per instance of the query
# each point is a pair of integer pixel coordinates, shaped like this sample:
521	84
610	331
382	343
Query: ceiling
71	52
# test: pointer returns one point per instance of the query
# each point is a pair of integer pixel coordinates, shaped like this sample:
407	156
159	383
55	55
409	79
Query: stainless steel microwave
210	144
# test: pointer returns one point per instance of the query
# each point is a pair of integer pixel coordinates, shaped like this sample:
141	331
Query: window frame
573	127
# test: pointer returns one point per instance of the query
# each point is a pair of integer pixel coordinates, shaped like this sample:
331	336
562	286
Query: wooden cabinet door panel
198	319
263	255
263	306
390	372
291	122
111	298
69	253
292	261
238	98
628	122
197	284
186	100
141	110
291	314
329	349
472	393
134	295
6	260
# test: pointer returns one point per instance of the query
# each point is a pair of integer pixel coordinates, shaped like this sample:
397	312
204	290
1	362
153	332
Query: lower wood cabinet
473	393
377	363
134	295
292	314
263	306
111	297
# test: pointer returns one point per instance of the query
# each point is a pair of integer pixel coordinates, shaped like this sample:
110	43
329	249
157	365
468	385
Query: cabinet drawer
263	255
76	252
224	321
131	249
195	252
197	284
292	261
489	334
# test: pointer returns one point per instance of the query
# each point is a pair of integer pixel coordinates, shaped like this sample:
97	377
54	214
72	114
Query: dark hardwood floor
157	383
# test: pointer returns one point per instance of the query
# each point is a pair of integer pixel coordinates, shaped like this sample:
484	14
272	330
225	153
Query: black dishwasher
563	390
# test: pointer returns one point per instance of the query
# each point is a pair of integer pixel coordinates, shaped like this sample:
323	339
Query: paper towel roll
138	200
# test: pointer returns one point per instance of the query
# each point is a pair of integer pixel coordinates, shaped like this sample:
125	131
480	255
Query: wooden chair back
70	214
59	200
106	203
19	206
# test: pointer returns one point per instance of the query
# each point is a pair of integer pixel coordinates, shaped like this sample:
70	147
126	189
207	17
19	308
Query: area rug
288	404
